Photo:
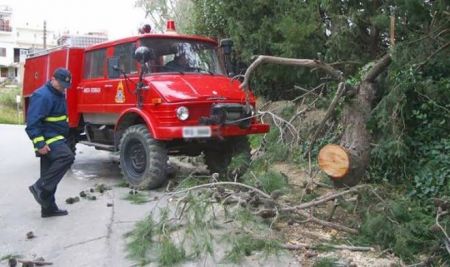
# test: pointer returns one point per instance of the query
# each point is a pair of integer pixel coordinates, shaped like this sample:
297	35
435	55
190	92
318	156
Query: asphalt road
92	233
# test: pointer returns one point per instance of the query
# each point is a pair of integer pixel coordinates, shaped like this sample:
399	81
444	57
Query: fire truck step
99	145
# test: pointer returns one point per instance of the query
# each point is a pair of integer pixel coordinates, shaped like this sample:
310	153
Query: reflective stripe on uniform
38	139
56	119
54	139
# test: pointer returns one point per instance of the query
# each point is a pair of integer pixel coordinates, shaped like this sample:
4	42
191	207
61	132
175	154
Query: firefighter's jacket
47	117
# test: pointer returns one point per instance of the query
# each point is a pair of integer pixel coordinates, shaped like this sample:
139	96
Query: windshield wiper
199	69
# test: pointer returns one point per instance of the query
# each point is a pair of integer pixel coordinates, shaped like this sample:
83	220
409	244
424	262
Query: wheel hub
138	157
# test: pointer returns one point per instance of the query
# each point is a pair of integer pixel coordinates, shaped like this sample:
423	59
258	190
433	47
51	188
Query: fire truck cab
150	96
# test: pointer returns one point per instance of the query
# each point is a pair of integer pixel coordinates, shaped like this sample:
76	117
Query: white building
17	41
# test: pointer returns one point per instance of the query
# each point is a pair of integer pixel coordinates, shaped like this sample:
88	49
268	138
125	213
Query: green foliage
191	181
269	181
410	120
137	198
9	115
141	240
10	256
191	231
200	220
245	245
170	254
412	123
8	97
400	224
8	106
150	241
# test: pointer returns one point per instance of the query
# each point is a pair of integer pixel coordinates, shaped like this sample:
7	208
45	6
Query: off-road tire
143	160
218	157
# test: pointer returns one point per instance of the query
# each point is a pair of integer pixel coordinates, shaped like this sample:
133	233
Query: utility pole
45	34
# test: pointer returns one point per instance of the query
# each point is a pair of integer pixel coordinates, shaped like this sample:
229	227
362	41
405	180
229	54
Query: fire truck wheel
230	159
143	160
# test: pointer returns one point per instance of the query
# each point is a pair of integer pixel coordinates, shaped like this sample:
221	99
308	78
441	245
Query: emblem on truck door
120	96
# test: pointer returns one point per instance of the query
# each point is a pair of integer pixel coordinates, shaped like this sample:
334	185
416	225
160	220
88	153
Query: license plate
196	131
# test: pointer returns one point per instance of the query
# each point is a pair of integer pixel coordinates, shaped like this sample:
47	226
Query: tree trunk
356	138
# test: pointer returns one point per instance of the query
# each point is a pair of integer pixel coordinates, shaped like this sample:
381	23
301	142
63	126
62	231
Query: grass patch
137	198
122	183
326	262
8	115
10	256
8	96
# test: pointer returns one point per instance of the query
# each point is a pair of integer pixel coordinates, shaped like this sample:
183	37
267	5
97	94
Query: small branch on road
220	183
85	241
298	246
34	262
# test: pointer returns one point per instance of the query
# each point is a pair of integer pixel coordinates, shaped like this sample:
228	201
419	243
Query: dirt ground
297	233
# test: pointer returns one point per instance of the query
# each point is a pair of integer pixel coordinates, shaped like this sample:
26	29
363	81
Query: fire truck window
125	54
94	64
200	57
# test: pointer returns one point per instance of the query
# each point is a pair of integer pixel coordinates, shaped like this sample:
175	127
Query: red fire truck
130	96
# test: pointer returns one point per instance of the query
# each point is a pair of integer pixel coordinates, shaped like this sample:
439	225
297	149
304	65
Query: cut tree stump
344	168
334	161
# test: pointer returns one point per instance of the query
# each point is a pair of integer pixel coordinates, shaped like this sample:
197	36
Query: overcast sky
118	17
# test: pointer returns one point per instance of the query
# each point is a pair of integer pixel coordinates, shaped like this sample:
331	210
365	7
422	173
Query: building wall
16	44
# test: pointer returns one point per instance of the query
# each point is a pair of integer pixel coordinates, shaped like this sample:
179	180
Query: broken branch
310	63
324	199
336	226
302	245
340	91
221	183
378	68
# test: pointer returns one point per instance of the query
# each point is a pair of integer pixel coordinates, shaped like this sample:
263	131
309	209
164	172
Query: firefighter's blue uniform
47	125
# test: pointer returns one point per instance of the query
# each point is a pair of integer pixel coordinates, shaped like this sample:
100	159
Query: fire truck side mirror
113	68
143	54
227	46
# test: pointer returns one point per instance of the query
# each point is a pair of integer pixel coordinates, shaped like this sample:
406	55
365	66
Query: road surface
92	233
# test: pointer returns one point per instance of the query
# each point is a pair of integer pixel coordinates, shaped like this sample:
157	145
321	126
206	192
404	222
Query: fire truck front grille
227	114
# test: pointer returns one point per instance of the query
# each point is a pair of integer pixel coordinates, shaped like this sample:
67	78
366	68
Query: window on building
2	52
16	55
125	54
4	72
94	64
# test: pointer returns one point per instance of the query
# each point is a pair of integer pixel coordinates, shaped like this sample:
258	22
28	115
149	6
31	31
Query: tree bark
356	138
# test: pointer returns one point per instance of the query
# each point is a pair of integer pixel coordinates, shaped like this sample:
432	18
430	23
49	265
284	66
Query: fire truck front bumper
207	131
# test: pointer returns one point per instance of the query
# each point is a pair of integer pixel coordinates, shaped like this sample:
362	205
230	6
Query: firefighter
179	63
48	128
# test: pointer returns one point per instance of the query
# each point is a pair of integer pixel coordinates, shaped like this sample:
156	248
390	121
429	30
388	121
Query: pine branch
378	68
310	63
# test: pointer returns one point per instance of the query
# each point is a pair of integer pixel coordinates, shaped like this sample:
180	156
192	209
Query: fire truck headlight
182	113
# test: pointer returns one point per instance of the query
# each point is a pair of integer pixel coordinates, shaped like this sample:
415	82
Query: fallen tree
347	162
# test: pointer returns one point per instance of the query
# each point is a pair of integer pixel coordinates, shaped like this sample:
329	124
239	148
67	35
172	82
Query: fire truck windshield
183	55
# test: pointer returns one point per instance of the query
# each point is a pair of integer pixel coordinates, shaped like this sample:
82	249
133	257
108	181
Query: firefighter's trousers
54	166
